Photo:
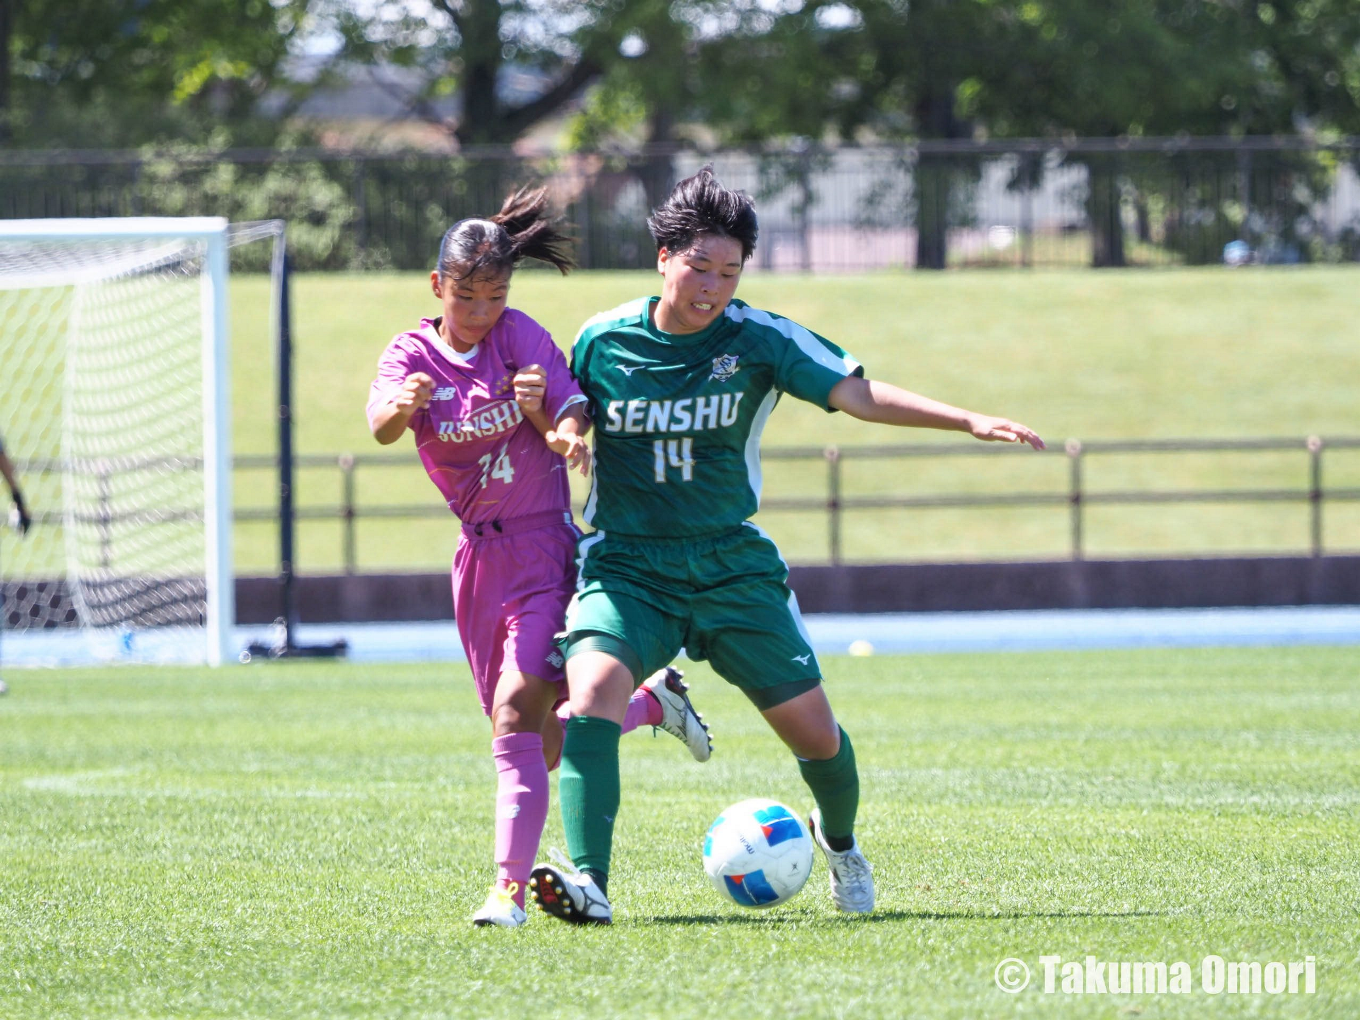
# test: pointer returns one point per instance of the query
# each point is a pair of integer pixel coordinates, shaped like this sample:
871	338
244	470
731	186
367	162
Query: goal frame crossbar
212	233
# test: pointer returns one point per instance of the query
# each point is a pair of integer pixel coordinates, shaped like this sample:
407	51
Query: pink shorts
510	592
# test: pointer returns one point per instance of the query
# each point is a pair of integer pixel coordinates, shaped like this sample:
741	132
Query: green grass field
308	840
1209	353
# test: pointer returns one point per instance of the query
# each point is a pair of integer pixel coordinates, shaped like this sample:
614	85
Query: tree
646	90
82	73
730	72
1165	67
464	47
949	69
920	54
1300	67
891	68
749	72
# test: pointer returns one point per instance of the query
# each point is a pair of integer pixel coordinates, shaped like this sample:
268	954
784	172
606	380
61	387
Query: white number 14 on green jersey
678	453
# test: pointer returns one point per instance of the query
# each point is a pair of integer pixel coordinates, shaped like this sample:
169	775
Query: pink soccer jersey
485	457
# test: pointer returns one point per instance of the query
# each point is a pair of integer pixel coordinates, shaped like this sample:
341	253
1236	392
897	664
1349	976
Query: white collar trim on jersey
463	358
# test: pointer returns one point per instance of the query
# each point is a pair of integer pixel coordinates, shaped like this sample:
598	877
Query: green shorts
723	598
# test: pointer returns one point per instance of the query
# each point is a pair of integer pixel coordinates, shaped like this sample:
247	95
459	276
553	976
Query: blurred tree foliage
464	47
1166	67
904	70
736	70
643	77
119	73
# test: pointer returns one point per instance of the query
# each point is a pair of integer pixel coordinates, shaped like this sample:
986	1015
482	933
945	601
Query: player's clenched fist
415	393
531	383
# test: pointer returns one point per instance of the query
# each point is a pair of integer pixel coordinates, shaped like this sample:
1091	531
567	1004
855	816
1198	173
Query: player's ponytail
495	246
532	234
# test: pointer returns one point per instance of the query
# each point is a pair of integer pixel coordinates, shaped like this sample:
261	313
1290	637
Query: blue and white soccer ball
758	853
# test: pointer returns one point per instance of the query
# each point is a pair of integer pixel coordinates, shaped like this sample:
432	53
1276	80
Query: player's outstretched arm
390	420
870	400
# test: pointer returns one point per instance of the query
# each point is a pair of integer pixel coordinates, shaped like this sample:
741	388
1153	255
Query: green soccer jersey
678	418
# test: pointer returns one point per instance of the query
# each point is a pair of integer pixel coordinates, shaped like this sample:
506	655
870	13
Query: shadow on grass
878	916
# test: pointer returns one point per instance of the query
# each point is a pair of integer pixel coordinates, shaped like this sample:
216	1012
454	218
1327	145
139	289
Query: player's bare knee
509	717
599	683
820	745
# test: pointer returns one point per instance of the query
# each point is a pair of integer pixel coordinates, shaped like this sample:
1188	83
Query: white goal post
116	403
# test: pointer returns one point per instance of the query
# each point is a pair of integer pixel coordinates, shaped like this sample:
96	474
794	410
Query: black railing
1076	495
835	504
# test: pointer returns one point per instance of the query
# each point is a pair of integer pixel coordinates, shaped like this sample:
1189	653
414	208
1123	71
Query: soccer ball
758	853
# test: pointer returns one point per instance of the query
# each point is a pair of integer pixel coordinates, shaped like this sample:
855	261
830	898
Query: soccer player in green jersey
680	388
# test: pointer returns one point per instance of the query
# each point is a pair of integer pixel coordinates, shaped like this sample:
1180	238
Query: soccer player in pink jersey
497	419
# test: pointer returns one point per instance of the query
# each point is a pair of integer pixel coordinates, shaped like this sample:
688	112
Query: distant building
379	106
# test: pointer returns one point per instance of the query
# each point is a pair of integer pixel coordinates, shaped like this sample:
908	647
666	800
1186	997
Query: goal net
114	407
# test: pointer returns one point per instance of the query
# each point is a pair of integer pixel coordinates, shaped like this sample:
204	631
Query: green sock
835	786
588	788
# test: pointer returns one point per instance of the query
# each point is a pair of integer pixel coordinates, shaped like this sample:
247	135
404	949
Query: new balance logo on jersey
802	658
724	368
693	414
445	393
498	417
628	370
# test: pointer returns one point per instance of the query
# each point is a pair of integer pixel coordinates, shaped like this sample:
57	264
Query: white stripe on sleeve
807	342
579	398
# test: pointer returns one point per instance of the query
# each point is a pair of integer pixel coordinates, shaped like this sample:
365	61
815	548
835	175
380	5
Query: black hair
495	246
700	205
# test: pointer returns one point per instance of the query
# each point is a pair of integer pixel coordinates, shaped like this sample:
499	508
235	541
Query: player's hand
20	520
571	446
531	385
415	393
1002	430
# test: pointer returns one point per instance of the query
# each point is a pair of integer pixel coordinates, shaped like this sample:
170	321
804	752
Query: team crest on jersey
724	368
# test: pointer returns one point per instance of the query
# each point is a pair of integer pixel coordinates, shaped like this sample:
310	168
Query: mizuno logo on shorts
802	658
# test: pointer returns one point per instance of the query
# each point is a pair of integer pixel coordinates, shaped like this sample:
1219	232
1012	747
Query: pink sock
643	710
521	806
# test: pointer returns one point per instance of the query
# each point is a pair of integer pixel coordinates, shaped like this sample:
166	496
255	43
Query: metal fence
1021	203
1077	496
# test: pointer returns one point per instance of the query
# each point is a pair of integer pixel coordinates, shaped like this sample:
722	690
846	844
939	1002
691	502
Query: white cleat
852	877
559	889
678	717
500	909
